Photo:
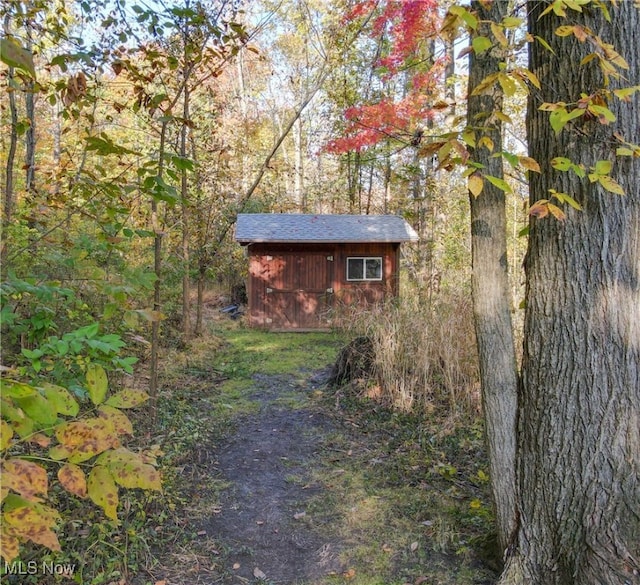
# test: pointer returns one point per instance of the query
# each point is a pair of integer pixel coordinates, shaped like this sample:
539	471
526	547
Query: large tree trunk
490	284
579	412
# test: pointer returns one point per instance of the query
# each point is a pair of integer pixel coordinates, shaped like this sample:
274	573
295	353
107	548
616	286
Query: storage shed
300	265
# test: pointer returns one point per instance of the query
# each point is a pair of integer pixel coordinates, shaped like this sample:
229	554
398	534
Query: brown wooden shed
300	265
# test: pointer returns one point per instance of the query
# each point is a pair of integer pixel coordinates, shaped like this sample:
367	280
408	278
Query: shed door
298	291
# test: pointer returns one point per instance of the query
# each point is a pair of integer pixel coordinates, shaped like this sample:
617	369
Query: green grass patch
250	351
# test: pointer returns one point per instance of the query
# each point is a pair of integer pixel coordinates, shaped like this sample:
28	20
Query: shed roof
307	228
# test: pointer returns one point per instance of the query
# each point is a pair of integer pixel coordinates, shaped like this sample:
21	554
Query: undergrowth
408	495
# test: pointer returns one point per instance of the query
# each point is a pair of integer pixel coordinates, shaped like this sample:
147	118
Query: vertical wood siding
293	286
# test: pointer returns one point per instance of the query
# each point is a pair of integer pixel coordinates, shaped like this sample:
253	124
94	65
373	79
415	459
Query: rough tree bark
490	283
579	409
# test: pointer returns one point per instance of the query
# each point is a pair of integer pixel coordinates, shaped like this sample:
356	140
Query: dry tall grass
425	355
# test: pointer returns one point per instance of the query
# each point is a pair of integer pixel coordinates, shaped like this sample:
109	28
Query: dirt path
262	522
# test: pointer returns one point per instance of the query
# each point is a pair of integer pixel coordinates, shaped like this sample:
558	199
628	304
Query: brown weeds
424	355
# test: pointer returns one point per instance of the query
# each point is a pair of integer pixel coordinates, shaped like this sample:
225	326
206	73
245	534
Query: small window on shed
364	268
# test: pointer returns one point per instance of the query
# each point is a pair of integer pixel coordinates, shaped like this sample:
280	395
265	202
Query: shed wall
294	286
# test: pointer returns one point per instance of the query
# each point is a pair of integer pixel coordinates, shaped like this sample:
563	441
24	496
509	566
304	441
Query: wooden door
298	292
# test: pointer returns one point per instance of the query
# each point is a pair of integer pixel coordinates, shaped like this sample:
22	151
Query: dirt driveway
263	522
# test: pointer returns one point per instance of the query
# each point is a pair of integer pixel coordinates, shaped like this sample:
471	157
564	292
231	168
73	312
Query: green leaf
97	383
602	167
61	398
21	423
605	115
103	145
15	389
511	21
561	163
470	20
87	331
558	120
182	164
38	408
624	93
12	54
565	198
481	44
544	43
469	138
624	151
500	183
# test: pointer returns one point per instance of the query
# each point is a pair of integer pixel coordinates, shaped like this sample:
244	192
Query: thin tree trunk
157	286
369	191
8	187
579	413
298	171
200	302
30	134
186	262
387	178
490	285
30	140
244	110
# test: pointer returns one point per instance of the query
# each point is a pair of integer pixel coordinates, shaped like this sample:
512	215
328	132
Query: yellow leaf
498	33
611	185
485	84
9	544
59	452
61	398
6	433
103	491
476	184
532	77
34	523
529	163
25	478
127	398
120	421
130	471
73	479
556	212
565	30
97	383
486	142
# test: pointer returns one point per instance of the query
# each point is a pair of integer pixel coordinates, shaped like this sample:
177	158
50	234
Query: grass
408	502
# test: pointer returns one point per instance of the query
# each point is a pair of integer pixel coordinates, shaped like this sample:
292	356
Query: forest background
135	134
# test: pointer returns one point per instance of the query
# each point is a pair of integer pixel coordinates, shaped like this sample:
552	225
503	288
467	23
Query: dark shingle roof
304	228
